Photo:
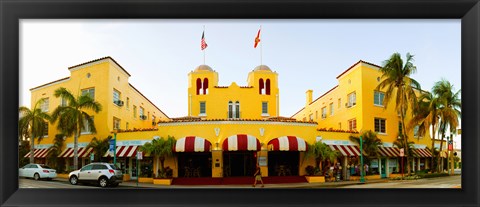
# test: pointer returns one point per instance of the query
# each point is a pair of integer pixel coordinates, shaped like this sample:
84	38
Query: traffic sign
450	147
139	155
402	153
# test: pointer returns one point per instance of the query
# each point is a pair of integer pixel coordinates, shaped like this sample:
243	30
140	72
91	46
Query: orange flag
257	39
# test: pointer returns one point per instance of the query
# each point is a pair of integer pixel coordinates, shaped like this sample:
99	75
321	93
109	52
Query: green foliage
161	148
321	152
23	149
370	143
310	170
99	146
54	151
32	124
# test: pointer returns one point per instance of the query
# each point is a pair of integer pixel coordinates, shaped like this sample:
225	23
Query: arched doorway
284	155
194	157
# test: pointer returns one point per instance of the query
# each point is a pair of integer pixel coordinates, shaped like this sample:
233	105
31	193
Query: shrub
433	175
310	170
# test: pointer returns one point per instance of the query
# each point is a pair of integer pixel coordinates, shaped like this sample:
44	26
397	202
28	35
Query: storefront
388	157
39	155
284	155
240	155
125	160
194	157
83	157
350	154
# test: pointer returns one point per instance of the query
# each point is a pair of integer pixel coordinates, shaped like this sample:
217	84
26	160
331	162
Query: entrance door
239	163
283	163
134	169
194	164
383	167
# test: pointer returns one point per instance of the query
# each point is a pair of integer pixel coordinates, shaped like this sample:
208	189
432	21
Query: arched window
261	86
205	86
268	86
230	109
199	85
237	109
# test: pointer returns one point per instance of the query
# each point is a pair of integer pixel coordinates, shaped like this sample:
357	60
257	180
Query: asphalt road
55	183
438	182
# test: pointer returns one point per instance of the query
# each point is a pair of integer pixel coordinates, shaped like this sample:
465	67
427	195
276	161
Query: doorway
283	163
239	163
194	164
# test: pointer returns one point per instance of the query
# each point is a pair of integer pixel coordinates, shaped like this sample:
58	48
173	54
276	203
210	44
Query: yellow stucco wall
105	76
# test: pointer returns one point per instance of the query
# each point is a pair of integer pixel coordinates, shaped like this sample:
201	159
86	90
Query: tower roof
262	67
203	68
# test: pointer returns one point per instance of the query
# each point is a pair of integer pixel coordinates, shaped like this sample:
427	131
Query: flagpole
204	49
261	46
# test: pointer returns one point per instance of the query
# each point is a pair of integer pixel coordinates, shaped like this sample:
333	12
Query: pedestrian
258	176
366	169
352	169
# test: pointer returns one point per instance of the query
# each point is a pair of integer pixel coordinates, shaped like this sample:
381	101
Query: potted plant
160	149
320	152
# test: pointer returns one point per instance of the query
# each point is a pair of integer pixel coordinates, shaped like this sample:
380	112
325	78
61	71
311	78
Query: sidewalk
281	185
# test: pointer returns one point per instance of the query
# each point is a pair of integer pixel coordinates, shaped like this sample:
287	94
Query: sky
307	54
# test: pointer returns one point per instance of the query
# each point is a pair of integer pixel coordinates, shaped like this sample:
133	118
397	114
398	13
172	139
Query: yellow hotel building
230	129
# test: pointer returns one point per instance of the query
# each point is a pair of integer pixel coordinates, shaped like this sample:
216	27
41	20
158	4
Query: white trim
51	84
235	122
202	115
265	114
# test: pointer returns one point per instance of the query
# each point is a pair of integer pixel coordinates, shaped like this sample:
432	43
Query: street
55	183
439	182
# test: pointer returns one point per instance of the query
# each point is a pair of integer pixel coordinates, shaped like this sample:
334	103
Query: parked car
37	171
103	174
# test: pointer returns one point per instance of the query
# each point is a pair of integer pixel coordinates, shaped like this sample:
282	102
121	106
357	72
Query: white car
103	174
37	172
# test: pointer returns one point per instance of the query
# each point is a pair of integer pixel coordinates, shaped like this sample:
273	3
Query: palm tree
426	115
370	143
32	124
99	146
408	150
399	84
160	149
321	152
73	117
55	150
450	108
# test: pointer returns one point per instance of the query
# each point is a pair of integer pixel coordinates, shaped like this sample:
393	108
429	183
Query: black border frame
11	11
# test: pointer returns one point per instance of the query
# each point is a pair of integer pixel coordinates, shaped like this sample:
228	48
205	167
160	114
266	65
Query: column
344	167
387	169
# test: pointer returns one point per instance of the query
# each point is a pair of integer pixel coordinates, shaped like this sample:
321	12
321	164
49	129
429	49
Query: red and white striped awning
422	153
287	143
82	152
346	150
124	151
192	144
39	153
388	151
241	142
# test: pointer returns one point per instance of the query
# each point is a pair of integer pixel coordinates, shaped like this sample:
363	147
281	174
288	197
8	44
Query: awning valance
82	152
287	143
388	151
241	142
346	150
124	151
421	153
192	144
39	153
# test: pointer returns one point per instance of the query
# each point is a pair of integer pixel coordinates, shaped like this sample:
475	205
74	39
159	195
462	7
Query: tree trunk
433	148
405	140
440	157
75	151
32	142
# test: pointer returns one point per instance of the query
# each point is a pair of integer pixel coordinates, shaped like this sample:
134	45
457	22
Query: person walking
258	177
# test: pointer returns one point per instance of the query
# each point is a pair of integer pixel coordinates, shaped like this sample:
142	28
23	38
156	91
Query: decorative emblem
217	131
262	131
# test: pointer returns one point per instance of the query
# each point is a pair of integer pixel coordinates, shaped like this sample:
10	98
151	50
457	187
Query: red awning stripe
82	152
124	151
241	142
39	153
44	153
388	151
192	144
288	143
346	150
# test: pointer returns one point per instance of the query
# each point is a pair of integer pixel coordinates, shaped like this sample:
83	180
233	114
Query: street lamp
362	179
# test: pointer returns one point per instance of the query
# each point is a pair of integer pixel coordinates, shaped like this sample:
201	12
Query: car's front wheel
103	182
73	180
36	176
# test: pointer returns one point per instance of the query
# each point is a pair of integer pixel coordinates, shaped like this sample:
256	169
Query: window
99	167
128	103
126	126
205	86
199	86
116	96
203	108
86	127
352	99
264	108
45	129
63	102
134	111
267	86
304	119
261	86
331	109
141	111
116	123
311	117
324	112
90	92
142	115
380	125
88	167
230	109
378	98
237	109
234	109
44	105
352	124
415	131
339	102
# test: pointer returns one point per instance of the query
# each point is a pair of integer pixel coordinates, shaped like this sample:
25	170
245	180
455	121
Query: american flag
257	39
204	44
